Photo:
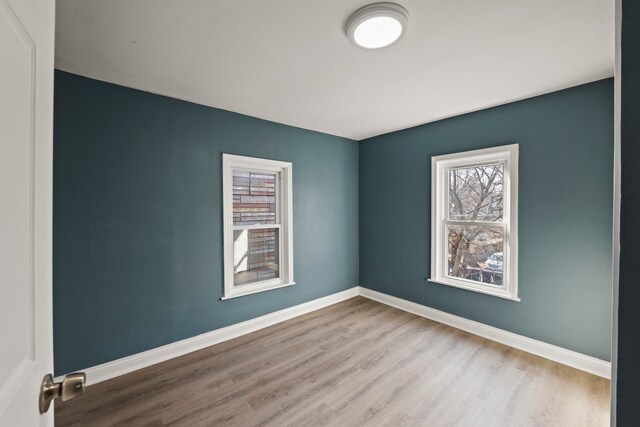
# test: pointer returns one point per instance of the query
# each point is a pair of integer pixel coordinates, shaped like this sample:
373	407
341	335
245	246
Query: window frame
284	222
440	166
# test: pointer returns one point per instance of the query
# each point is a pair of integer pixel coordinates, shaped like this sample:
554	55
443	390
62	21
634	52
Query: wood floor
358	362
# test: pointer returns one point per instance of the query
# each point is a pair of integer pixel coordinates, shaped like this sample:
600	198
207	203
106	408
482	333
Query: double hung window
257	225
474	221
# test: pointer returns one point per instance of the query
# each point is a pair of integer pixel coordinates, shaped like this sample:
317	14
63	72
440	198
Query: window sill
500	293
255	291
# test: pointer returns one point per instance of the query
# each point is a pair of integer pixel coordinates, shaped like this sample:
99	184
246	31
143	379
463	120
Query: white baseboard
137	361
561	355
134	362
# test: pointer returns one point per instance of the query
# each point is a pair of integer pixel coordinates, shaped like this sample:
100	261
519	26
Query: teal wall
138	226
565	215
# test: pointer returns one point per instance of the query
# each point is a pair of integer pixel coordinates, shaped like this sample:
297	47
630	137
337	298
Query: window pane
254	198
475	193
476	253
255	255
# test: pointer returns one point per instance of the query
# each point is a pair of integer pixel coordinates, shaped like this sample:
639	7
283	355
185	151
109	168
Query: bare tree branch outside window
476	195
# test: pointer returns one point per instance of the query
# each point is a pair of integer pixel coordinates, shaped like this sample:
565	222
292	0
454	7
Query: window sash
278	179
505	261
470	165
260	283
476	223
255	226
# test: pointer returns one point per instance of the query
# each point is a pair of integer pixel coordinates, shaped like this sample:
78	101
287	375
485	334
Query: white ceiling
289	60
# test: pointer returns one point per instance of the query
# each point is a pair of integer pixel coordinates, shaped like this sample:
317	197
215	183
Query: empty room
330	213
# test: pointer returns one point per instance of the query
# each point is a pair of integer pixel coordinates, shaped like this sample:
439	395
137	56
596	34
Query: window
474	213
257	225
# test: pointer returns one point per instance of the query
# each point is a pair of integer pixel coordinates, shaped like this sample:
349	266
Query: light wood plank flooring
358	362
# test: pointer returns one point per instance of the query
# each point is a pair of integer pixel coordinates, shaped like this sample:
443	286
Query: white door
26	164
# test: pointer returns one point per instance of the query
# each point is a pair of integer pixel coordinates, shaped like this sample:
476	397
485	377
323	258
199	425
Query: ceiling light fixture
377	25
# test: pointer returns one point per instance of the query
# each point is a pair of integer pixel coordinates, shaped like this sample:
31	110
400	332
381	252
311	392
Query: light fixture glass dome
377	25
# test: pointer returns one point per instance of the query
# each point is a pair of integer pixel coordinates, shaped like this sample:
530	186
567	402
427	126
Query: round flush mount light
377	25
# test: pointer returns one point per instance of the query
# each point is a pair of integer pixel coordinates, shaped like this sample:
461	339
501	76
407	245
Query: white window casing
283	223
507	156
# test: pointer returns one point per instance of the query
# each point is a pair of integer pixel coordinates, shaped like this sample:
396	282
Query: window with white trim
258	215
474	221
